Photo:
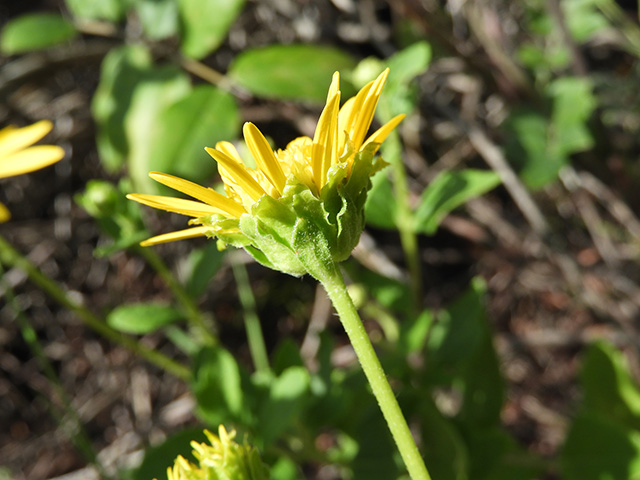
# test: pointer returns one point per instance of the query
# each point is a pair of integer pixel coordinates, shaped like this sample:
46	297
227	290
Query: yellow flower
222	459
17	156
338	139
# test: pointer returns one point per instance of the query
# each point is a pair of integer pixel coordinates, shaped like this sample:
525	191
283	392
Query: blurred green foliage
151	116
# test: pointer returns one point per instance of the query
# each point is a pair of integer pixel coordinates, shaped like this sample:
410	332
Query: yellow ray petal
239	173
264	156
325	145
199	192
229	149
381	134
33	158
177	205
365	114
178	235
334	87
5	215
13	139
348	116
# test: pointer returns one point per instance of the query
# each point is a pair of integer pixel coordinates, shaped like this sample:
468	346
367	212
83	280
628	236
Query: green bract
299	232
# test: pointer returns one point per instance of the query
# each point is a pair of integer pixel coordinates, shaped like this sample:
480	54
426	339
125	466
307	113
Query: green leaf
286	398
159	18
494	455
35	31
141	318
202	265
448	191
457	332
206	23
413	335
584	18
380	208
299	72
573	104
217	385
159	457
286	355
609	389
598	449
202	118
444	450
408	63
158	88
110	10
373	442
121	71
528	148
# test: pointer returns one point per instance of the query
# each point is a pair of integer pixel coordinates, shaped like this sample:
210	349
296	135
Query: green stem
10	257
336	289
251	320
189	308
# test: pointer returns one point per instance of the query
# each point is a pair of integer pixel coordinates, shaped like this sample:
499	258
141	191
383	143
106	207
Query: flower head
18	156
324	178
223	459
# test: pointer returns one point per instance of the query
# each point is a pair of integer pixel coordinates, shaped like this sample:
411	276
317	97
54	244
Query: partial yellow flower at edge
17	156
340	135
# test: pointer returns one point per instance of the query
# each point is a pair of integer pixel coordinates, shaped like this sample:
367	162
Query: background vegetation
498	275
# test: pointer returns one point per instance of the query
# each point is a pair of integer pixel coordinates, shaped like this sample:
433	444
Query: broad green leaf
448	191
141	318
583	18
183	129
159	18
35	31
286	398
492	452
298	72
217	385
380	209
573	104
598	449
374	457
414	333
445	453
408	64
206	23
528	148
609	389
121	72
286	355
159	457
201	266
111	10
457	332
159	87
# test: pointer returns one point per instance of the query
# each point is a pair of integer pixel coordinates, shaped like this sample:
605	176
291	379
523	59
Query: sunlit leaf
206	23
448	191
285	401
141	318
111	10
183	129
217	385
159	18
35	31
300	72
